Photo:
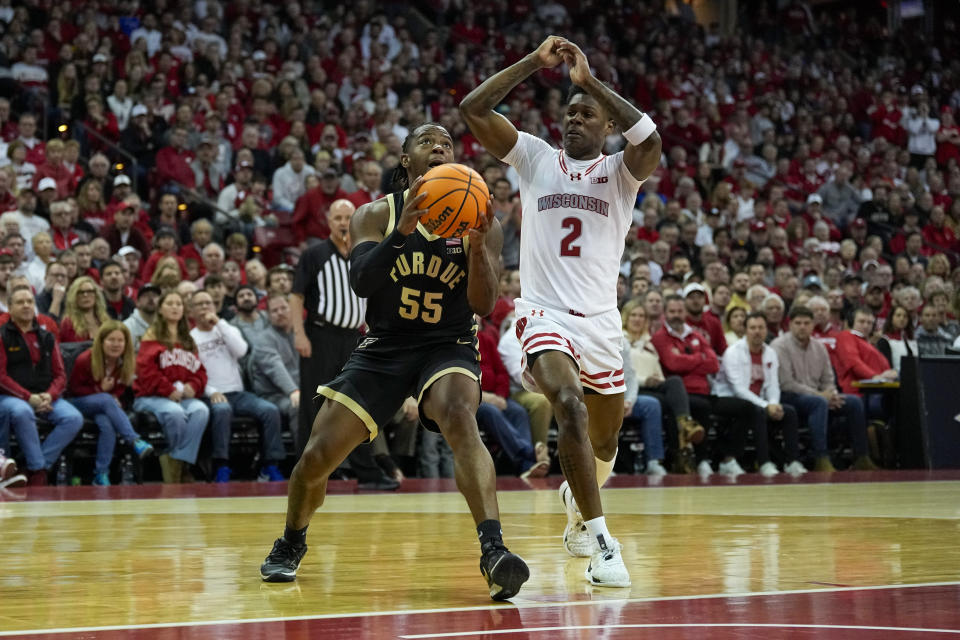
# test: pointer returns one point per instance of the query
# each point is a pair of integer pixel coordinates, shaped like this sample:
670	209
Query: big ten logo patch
599	180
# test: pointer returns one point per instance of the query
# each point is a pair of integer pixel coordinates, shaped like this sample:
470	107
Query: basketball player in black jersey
422	293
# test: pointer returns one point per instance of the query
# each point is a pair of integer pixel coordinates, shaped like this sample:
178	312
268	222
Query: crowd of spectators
151	151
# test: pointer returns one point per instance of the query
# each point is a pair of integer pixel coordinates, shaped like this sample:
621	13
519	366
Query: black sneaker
282	563
505	572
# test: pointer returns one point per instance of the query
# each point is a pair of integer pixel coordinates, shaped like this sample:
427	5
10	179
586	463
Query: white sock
605	468
598	531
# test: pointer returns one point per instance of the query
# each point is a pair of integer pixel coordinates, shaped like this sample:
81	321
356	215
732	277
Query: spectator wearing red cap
694	301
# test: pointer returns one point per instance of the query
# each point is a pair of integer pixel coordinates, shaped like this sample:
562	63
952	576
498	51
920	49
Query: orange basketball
456	200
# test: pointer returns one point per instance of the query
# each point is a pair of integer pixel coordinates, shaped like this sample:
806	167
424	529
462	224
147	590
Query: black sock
489	530
295	536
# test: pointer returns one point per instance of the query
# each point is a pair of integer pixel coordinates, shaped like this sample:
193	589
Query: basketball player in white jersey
577	208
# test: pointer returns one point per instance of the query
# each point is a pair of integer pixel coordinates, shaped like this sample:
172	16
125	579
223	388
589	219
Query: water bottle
127	473
63	476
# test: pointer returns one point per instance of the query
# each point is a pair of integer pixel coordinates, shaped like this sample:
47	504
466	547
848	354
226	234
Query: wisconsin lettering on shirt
179	358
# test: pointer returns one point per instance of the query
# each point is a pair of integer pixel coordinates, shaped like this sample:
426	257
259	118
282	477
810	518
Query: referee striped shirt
323	279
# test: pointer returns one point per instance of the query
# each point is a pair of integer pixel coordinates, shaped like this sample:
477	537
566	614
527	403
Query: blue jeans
244	403
511	428
18	413
103	409
647	410
183	423
816	411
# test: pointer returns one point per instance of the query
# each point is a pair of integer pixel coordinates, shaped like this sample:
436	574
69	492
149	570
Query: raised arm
495	132
642	153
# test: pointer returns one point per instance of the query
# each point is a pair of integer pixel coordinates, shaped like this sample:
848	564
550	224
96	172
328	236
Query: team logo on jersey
521	325
454	245
573	201
366	342
576	176
598	180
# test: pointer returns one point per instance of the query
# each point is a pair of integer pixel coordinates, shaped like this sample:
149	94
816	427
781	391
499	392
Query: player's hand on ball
576	60
478	233
547	54
411	212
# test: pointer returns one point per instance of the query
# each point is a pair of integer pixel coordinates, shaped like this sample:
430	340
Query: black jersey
425	294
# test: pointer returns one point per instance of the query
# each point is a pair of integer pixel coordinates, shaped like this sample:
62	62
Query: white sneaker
768	469
795	468
704	468
654	468
731	468
577	540
606	568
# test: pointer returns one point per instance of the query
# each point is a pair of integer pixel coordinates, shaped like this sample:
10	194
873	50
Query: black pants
738	416
762	422
331	348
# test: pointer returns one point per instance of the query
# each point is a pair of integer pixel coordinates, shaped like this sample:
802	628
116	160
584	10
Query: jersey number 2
567	247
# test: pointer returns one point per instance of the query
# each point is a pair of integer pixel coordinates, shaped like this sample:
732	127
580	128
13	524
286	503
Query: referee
331	331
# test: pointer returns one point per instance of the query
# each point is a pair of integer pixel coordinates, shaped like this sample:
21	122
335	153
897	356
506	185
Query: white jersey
576	214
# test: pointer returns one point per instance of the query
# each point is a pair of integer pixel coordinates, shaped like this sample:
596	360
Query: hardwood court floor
805	560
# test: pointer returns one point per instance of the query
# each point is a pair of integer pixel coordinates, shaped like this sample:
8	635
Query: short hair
110	263
274	295
867	311
237	240
199	223
755	314
673	297
211	280
801	311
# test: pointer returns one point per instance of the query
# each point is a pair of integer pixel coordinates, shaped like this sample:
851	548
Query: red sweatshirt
159	367
857	359
82	382
310	213
688	356
711	329
493	375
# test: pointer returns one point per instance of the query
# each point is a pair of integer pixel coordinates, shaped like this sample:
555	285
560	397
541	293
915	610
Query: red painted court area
877	613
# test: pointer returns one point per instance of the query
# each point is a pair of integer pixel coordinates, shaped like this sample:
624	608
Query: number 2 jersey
425	293
576	214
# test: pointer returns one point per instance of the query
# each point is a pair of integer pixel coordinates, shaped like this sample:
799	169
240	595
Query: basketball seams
472	186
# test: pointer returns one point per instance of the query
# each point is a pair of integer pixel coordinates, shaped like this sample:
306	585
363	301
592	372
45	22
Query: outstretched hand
576	60
478	234
547	53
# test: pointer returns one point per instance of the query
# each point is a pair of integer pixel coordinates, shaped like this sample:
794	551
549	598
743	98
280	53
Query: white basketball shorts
594	343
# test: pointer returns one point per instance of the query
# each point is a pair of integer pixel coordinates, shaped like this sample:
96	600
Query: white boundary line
518	603
706	625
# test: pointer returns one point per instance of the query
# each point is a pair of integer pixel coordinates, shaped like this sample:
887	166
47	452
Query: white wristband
640	131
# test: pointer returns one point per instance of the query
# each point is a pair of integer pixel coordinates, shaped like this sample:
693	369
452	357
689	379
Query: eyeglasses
87	292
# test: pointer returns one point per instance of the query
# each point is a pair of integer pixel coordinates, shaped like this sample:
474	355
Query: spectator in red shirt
857	359
54	168
98	381
85	310
310	212
173	162
695	299
937	234
170	381
32	379
370	175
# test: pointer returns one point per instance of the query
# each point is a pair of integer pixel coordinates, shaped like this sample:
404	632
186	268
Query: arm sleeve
773	379
370	263
680	363
267	362
150	380
233	338
848	358
883	346
710	364
81	378
198	380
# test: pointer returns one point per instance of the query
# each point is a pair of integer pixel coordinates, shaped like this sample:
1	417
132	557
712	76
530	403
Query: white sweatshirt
220	351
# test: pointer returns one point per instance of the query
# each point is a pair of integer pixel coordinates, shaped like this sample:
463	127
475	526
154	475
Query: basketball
456	200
